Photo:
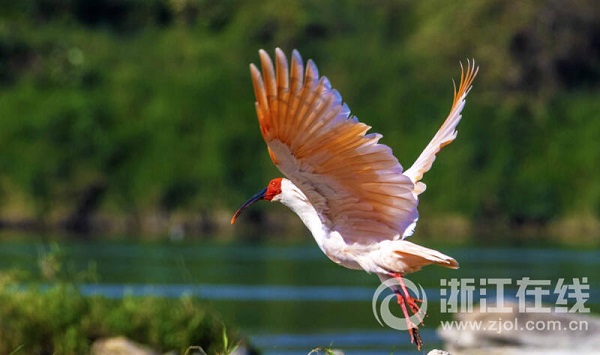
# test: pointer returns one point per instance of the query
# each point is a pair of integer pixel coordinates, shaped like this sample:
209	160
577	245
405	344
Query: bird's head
270	193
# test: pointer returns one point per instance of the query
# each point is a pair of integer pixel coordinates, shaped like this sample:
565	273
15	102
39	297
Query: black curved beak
259	196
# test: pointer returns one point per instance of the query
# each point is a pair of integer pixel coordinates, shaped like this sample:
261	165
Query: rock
438	352
317	351
120	346
522	333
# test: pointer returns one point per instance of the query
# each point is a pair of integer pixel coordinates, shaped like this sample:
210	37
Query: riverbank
279	223
58	318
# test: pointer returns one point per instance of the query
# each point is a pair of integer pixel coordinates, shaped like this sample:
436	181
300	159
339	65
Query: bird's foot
415	309
403	296
413	329
404	299
415	337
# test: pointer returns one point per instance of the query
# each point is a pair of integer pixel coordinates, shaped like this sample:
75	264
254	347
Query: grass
56	318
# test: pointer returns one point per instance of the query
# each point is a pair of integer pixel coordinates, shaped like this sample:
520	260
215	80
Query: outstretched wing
354	182
447	132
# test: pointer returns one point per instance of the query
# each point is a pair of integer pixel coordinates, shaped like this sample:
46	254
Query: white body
396	256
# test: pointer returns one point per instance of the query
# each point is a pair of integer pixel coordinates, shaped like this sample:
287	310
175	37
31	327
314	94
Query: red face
273	189
268	193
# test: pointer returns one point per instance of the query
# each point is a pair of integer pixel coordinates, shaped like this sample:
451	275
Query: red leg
404	298
411	301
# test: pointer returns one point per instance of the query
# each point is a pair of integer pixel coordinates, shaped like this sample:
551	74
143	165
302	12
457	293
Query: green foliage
150	102
59	319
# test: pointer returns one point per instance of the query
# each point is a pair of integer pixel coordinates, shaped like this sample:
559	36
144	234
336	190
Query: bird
348	189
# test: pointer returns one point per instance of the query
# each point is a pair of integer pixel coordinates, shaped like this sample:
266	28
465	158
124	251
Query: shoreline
581	230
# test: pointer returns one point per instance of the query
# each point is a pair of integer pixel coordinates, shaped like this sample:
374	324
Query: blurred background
128	138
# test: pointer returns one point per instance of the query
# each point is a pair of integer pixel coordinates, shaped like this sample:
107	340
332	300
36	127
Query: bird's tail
409	257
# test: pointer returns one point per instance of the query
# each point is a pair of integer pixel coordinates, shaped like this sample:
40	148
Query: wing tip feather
281	59
312	72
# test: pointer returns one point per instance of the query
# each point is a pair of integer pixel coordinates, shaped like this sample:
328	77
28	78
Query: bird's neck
294	199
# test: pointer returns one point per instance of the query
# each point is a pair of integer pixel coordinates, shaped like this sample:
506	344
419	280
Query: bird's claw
405	299
415	337
416	310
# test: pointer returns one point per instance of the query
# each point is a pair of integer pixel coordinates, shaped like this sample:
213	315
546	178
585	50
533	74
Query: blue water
291	299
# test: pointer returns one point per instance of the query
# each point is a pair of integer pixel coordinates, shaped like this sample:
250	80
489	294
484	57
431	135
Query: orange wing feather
354	182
